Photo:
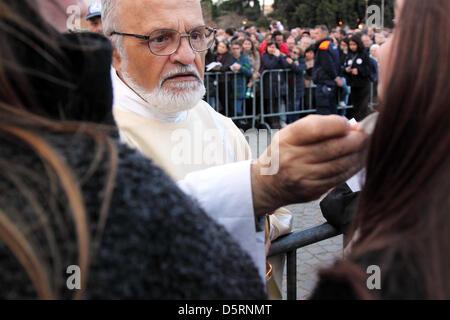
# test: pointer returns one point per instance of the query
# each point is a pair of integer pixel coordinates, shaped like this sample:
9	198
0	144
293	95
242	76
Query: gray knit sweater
157	244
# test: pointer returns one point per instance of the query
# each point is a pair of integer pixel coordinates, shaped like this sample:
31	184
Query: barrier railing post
262	95
270	109
289	245
217	92
291	269
235	91
244	102
255	83
287	93
283	106
226	95
279	94
207	86
295	91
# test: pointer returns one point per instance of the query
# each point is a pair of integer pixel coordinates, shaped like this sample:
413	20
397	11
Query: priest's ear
117	60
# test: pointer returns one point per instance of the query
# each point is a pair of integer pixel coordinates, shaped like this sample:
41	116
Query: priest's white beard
175	97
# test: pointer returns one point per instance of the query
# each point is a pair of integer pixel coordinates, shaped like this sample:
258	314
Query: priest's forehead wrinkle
145	16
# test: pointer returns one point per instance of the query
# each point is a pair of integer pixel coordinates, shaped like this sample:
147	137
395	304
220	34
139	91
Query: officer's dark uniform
326	70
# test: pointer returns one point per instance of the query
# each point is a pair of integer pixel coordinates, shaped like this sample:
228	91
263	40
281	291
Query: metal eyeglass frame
181	35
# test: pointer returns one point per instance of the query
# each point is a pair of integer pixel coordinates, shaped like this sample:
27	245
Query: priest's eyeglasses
165	42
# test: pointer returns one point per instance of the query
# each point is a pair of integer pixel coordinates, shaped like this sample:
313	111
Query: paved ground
315	256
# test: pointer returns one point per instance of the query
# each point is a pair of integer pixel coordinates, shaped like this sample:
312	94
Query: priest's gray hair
111	23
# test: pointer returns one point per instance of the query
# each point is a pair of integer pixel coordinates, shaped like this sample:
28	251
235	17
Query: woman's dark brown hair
254	51
271	43
357	39
53	197
49	73
403	218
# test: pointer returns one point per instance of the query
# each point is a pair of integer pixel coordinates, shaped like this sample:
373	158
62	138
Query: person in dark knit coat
156	243
71	196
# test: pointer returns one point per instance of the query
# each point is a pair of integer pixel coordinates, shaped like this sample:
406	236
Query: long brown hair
51	201
253	51
404	209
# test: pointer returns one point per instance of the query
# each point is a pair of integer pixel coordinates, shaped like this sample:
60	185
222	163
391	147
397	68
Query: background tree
307	13
249	10
208	9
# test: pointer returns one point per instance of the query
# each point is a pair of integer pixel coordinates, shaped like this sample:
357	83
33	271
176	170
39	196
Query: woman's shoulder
370	277
333	289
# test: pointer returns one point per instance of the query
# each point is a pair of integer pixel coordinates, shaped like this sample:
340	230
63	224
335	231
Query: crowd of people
149	217
259	50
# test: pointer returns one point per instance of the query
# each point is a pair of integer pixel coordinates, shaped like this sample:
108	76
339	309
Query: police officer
326	72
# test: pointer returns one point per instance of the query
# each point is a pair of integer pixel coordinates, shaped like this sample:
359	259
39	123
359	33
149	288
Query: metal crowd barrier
289	103
221	95
282	100
289	244
224	96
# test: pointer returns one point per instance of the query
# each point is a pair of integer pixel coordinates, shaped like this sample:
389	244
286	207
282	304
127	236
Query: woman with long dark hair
76	204
357	73
402	226
254	57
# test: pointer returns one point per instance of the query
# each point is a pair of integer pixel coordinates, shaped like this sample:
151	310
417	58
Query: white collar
127	100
